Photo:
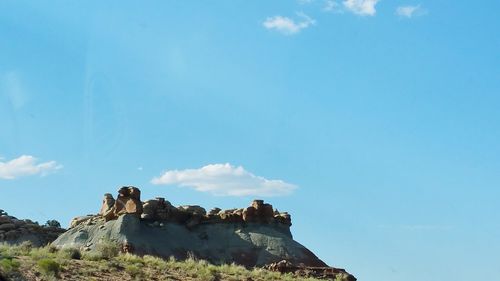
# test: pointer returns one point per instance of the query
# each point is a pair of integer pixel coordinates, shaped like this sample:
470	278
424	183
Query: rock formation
323	272
128	201
16	231
257	235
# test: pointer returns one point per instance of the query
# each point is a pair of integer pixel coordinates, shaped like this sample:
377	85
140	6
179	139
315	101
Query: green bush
108	249
92	256
42	253
9	265
133	270
130	259
70	253
48	267
52	223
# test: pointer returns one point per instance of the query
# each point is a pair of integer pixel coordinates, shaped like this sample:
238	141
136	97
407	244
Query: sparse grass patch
108	249
134	270
15	250
107	261
48	267
129	258
155	262
42	253
92	256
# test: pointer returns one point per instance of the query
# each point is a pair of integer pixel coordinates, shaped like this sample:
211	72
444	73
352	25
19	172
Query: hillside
154	240
24	262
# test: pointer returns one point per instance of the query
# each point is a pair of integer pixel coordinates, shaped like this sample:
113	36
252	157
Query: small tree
52	223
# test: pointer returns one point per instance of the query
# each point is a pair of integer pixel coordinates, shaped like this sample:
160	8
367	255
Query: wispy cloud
332	6
225	180
12	88
26	165
287	25
361	7
410	11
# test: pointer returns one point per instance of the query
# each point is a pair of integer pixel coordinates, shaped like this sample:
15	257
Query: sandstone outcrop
161	210
257	235
322	272
15	231
128	201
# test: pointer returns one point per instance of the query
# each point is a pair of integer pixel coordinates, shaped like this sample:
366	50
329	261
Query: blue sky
374	123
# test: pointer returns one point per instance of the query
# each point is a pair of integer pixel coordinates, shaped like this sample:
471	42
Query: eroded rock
16	231
318	272
128	201
159	209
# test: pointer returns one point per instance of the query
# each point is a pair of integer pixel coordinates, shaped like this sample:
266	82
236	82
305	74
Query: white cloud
225	180
26	165
288	26
361	7
331	6
409	11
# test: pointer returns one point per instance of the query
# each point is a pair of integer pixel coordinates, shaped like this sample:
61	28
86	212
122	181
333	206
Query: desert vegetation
24	262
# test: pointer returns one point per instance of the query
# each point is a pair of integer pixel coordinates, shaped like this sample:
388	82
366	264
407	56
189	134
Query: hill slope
107	264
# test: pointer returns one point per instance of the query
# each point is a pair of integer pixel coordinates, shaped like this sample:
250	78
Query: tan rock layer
128	201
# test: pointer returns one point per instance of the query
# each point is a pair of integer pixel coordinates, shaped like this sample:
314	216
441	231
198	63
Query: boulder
214	211
258	212
149	209
193	209
320	272
128	201
158	209
18	223
78	220
283	218
7	226
108	203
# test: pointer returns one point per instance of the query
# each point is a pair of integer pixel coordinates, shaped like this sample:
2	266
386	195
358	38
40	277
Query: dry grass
47	263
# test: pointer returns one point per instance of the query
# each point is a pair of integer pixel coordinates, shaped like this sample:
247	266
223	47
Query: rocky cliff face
249	244
252	236
16	231
257	235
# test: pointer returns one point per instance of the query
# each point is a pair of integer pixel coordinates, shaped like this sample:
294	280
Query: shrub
52	223
9	265
48	267
108	249
130	259
70	253
133	270
42	253
25	247
155	262
92	256
52	249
